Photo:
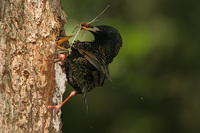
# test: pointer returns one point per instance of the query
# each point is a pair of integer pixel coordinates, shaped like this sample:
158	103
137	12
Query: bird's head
102	32
105	35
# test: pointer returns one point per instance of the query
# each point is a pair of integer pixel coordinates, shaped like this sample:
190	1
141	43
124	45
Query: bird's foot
57	107
60	58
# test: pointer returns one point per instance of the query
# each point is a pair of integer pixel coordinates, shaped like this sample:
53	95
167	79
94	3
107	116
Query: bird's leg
57	107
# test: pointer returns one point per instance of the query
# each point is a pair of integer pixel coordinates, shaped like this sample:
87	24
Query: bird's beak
63	39
93	29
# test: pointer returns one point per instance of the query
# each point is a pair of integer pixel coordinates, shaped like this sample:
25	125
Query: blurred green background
155	84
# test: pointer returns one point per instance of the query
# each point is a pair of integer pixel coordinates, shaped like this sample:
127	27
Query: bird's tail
84	91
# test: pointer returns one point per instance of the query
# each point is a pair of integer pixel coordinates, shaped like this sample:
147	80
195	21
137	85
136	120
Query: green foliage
155	78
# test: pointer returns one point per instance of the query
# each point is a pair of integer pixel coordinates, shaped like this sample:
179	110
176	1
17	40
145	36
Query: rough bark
28	33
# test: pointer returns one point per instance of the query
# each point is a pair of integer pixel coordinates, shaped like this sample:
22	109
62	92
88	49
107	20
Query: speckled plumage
87	66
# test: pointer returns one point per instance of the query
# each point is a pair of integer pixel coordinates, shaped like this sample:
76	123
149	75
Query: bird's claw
57	107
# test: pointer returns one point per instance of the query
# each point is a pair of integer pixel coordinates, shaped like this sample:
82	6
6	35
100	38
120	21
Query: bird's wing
96	61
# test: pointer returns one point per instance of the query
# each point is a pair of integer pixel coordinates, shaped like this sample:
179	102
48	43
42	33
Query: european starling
87	65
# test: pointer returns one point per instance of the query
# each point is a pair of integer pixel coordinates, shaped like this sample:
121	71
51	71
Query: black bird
87	65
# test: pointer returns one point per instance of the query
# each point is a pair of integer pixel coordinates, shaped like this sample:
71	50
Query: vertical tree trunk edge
28	75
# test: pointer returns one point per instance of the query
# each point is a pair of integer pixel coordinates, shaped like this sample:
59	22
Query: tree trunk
28	33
